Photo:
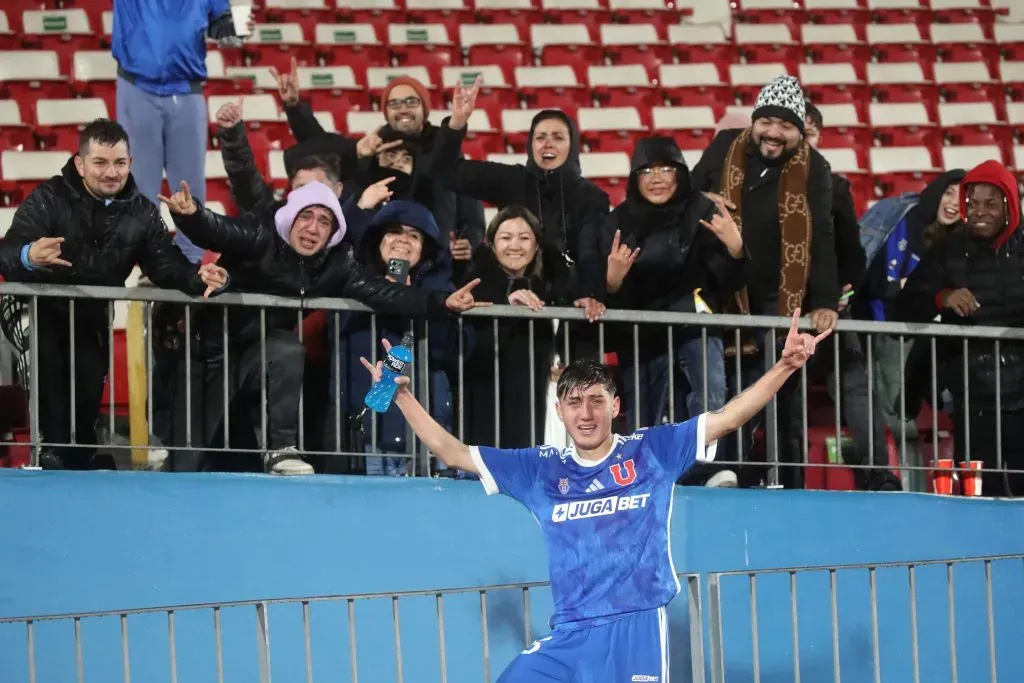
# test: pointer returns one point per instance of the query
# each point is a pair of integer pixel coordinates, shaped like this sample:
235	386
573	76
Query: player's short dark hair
814	114
580	375
328	163
103	132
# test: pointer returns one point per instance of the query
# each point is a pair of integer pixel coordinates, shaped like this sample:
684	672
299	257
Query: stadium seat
769	12
1015	117
516	125
277	173
495	92
359	123
970	156
748	79
30	75
332	89
963	43
833	44
425	45
1012	76
217	188
654	12
845	128
217	81
622	86
6	218
899	43
379	13
94	74
901	169
107	19
276	44
15	133
848	163
904	124
607	170
760	43
898	11
261	77
378	77
500	44
9	39
837	12
1010	39
963	11
64	31
306	13
833	83
904	82
482	138
691	127
635	44
610	129
452	14
589	13
1018	160
974	123
264	122
22	171
698	43
966	82
694	85
354	45
522	13
565	45
58	122
556	87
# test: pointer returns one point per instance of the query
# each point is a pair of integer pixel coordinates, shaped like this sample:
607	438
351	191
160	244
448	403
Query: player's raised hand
800	345
180	202
462	299
45	251
377	371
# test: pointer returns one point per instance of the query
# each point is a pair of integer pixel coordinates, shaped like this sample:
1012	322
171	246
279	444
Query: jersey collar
617	440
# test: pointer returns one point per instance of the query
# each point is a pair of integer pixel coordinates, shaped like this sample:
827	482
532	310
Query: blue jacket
161	44
883	228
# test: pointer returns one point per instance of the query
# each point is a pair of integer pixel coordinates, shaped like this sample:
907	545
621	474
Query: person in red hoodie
975	277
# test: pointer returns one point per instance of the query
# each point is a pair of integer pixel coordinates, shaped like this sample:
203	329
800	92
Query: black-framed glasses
411	102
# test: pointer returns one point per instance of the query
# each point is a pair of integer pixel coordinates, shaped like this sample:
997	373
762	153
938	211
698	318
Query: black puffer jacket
103	242
259	260
570	207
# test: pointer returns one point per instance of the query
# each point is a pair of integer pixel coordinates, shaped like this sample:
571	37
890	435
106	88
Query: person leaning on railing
975	276
89	225
291	252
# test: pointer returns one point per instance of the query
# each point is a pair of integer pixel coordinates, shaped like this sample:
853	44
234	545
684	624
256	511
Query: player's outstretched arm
799	348
450	450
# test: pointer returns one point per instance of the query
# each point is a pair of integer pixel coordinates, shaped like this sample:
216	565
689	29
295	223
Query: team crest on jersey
624	473
563	486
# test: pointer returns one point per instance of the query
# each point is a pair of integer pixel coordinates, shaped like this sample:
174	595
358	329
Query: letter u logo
623	473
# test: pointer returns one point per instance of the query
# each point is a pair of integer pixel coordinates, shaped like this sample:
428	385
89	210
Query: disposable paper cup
942	477
970	478
240	15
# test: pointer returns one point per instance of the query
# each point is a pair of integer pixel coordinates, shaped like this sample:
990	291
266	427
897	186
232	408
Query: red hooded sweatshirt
994	173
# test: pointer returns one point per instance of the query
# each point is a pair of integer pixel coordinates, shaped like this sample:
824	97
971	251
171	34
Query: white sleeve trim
486	478
704	453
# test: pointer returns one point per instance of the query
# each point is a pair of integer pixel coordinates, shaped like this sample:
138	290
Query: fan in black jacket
95	227
291	252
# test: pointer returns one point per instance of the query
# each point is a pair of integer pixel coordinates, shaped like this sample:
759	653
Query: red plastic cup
970	478
942	477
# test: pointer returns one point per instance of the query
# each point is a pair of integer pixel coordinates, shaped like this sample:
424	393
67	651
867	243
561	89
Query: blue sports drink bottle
378	398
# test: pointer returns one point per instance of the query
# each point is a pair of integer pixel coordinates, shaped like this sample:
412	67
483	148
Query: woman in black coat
515	266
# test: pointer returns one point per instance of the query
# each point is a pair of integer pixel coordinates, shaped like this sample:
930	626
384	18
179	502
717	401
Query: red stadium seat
838	12
566	45
622	86
15	133
30	75
694	85
657	13
306	13
452	14
521	13
556	87
500	44
635	44
59	122
378	13
610	129
357	46
276	45
589	13
697	44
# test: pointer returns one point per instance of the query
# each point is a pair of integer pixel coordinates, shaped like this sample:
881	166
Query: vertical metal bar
600	340
967	417
336	361
485	636
125	659
308	641
914	652
497	385
398	638
704	367
738	387
905	474
755	641
696	609
533	379
999	412
149	374
772	426
795	625
876	658
935	402
990	610
218	645
671	377
834	603
111	372
804	418
462	381
526	618
952	622
636	376
302	422
72	360
226	379
373	359
352	638
79	663
837	400
30	625
441	649
869	354
717	644
171	646
263	381
188	376
33	380
262	638
421	464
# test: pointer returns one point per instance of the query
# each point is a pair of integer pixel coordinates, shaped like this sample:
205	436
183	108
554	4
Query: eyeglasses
411	102
664	171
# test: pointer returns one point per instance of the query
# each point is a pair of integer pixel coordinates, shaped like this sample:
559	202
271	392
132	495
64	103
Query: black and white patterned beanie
782	98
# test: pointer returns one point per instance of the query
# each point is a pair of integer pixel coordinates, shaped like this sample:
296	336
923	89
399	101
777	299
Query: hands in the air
230	114
620	260
375	194
377	371
371	144
463	103
181	202
288	84
800	345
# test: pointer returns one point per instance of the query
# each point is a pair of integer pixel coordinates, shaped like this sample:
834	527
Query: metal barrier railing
928	597
851	363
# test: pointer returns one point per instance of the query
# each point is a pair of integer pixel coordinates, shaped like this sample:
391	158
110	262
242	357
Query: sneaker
287	462
723	479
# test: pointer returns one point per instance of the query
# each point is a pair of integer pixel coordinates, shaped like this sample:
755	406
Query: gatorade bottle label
394	364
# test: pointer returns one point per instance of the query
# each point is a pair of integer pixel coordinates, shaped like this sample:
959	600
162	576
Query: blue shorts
632	649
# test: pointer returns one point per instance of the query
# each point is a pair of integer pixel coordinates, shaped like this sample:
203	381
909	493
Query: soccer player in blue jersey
604	505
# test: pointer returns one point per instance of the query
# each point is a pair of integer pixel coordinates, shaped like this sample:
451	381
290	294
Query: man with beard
782	190
90	225
406	105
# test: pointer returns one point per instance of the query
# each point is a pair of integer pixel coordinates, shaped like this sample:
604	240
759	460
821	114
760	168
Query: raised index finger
469	286
794	324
